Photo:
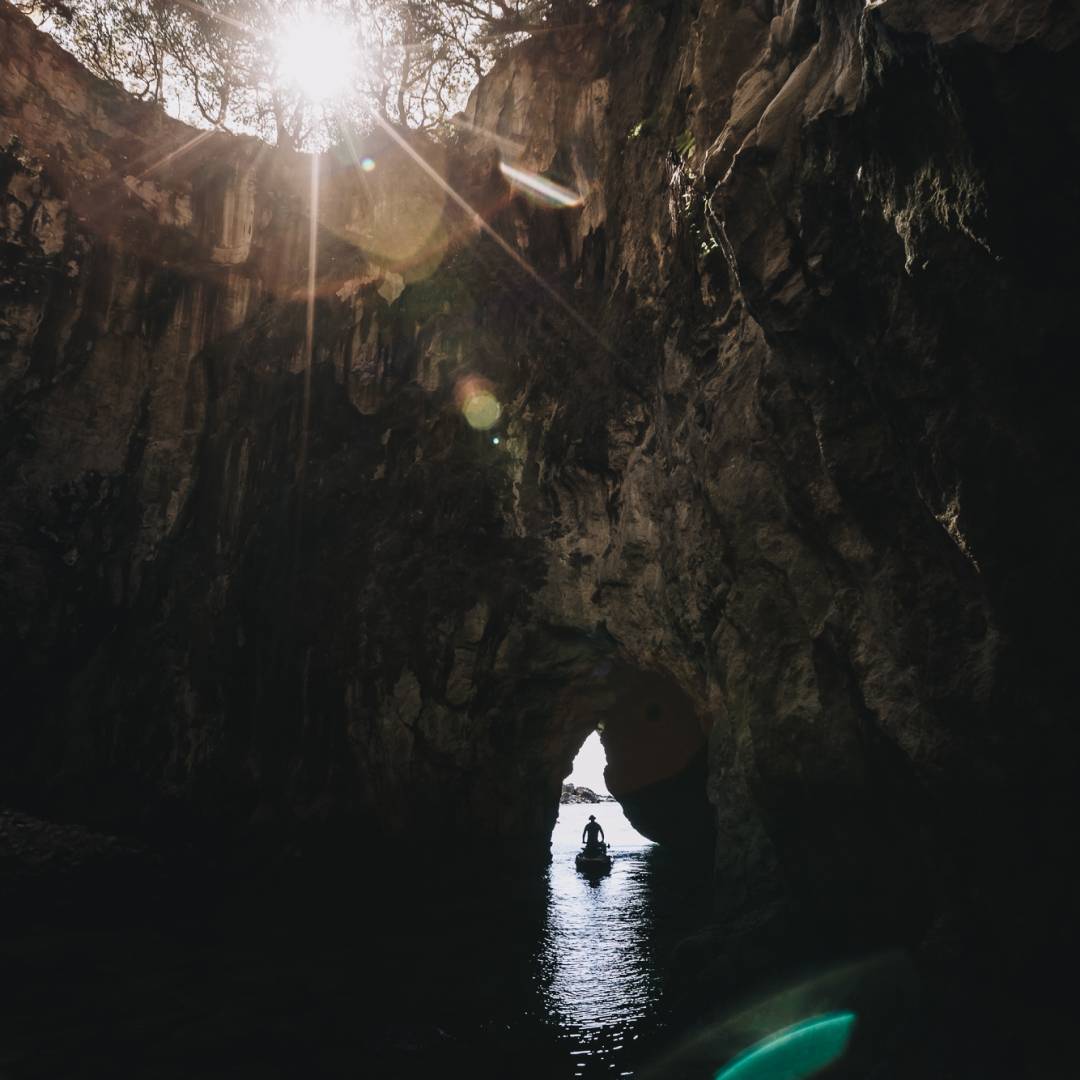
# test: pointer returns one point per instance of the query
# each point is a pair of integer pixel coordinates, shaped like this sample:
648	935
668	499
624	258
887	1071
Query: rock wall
200	526
786	423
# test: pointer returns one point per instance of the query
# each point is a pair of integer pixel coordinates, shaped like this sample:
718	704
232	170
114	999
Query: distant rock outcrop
572	793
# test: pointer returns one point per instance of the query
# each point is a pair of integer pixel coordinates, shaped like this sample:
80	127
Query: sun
316	54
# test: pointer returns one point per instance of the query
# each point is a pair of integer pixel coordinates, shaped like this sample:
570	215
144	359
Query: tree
222	62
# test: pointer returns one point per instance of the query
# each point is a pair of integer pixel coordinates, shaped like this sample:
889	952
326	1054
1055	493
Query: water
545	976
596	972
540	975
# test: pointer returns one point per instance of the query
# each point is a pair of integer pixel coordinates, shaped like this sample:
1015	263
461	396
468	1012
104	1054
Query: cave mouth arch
655	744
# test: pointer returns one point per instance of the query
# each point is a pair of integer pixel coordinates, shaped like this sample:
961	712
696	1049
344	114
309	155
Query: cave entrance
636	735
597	970
632	752
585	793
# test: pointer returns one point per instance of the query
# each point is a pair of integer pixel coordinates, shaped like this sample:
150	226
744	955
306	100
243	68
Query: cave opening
633	734
634	759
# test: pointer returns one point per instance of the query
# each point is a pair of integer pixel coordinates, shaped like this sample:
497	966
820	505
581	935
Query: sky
588	768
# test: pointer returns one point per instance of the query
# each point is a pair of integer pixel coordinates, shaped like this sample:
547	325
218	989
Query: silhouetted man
592	833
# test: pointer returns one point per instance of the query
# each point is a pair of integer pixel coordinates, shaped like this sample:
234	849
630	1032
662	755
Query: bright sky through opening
317	55
589	765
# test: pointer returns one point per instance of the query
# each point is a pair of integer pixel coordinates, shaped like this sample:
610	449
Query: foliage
217	62
685	145
695	211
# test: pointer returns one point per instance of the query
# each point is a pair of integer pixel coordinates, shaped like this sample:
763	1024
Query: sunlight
543	190
497	239
309	321
588	768
317	55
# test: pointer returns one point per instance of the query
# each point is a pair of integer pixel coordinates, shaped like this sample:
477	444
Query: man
591	834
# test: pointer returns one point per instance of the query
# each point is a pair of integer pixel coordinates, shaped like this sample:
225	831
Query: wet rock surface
809	459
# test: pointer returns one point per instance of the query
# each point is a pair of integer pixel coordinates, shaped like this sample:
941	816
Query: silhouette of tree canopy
217	62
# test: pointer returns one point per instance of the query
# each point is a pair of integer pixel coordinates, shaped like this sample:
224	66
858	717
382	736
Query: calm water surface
596	972
552	977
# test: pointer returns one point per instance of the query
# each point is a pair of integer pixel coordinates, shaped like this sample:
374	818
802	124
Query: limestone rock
786	437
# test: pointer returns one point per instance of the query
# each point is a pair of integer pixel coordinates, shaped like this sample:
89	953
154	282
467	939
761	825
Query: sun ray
309	318
484	227
178	152
217	16
106	192
509	146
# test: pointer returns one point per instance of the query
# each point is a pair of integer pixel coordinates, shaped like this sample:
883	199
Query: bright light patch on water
597	974
795	1052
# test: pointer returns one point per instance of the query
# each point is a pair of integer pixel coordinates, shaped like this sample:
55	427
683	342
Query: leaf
685	144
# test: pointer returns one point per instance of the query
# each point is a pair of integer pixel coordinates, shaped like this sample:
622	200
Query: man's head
592	817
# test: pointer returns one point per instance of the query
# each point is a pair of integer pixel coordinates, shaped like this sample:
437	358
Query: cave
706	380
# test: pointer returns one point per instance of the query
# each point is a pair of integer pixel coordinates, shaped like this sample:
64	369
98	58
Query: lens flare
794	1052
478	404
544	190
511	253
398	213
482	410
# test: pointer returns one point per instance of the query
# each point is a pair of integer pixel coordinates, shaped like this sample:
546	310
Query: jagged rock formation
578	793
802	450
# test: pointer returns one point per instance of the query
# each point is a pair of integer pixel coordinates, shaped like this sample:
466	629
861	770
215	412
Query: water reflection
596	970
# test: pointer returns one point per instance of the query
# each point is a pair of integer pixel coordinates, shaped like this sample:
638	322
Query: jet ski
593	858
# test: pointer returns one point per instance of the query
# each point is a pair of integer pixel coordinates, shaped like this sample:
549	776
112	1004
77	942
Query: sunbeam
309	320
509	146
105	193
217	16
178	152
484	227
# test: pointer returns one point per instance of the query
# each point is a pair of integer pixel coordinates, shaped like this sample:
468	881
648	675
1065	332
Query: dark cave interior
776	491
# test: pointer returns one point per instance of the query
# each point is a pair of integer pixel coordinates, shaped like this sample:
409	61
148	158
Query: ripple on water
596	970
